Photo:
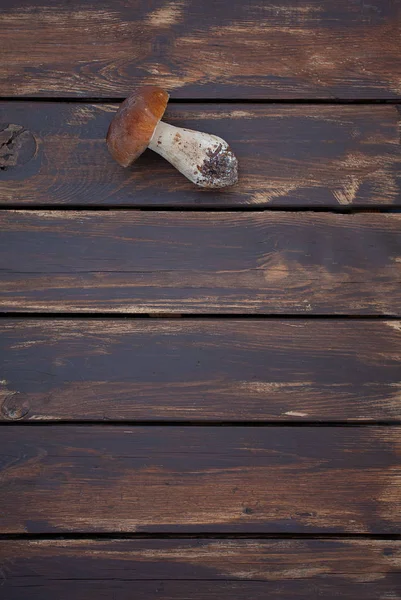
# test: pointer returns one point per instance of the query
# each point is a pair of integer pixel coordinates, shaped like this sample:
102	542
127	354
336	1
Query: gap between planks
190	316
389	209
201	536
117	99
353	423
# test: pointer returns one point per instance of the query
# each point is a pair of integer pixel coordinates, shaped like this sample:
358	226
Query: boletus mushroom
204	159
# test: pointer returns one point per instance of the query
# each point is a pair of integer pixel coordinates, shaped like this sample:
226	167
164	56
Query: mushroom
204	159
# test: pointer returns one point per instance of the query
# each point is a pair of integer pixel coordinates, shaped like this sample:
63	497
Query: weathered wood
194	479
200	370
200	262
183	569
214	48
298	155
306	589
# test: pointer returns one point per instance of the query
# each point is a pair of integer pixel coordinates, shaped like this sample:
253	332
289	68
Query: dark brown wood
307	589
17	146
177	568
200	262
213	49
97	478
298	155
284	370
194	479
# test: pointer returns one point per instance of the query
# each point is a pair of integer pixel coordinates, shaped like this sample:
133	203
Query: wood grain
178	568
194	479
307	589
289	155
214	49
200	262
211	370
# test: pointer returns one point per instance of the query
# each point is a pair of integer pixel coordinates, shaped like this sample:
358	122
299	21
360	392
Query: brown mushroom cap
134	123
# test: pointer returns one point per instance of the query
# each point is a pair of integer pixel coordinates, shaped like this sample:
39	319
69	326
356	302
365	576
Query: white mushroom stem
204	159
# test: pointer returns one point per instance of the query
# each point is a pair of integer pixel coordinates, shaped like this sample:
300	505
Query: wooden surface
200	479
180	568
207	400
289	155
308	589
200	262
214	49
209	370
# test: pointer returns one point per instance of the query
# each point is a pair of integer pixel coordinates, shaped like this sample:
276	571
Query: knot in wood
17	146
15	407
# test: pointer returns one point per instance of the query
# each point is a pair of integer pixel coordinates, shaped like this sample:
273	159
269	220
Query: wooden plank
280	370
200	262
213	49
289	155
306	589
197	479
178	568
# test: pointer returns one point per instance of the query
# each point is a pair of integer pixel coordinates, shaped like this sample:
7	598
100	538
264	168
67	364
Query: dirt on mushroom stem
219	168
